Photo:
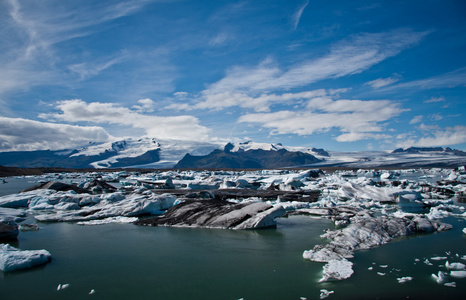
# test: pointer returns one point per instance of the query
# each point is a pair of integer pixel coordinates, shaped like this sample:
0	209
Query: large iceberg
215	213
15	259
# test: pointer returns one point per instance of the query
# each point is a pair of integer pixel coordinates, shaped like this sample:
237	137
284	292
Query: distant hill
247	159
417	150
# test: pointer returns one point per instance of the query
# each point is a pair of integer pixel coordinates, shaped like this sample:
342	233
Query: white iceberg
15	259
458	274
337	269
109	220
404	279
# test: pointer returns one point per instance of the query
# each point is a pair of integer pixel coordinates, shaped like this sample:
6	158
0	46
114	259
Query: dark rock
58	186
8	230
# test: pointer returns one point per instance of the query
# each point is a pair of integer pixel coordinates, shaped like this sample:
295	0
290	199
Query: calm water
124	261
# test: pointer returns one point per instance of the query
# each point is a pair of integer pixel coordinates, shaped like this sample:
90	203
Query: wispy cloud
447	80
261	103
183	127
350	56
435	100
31	31
297	16
17	134
380	82
355	119
435	136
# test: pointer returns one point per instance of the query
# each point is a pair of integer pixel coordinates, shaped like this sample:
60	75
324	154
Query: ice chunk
381	274
92	292
63	286
15	259
464	230
109	220
325	293
439	258
404	279
455	266
458	274
450	284
440	277
337	269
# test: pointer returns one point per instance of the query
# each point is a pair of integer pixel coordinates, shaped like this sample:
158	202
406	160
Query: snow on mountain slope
170	151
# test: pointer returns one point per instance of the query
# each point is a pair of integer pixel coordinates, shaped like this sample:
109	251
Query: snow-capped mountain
144	152
161	154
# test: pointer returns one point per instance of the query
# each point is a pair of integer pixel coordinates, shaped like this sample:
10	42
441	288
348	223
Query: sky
339	75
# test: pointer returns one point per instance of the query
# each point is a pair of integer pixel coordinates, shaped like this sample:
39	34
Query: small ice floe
15	259
384	266
455	266
381	274
370	268
324	293
92	292
464	230
303	298
463	257
63	286
337	269
439	258
450	284
458	274
404	279
109	220
440	277
427	262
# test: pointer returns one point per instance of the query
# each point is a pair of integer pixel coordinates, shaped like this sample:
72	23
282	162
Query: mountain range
163	154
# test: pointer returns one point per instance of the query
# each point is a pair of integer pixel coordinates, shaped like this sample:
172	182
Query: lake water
124	261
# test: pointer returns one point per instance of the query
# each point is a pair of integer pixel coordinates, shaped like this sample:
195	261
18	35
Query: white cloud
182	127
145	105
356	119
18	134
297	16
435	99
347	57
378	83
434	136
259	103
416	119
447	80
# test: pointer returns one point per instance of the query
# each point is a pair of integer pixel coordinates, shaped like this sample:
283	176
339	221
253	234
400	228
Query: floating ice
337	269
63	286
458	274
439	258
440	277
404	279
455	266
92	292
325	293
381	274
15	259
450	284
109	220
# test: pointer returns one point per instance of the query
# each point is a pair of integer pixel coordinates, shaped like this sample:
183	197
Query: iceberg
337	269
15	259
213	213
458	274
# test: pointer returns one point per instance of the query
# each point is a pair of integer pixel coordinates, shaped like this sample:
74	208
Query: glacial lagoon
121	261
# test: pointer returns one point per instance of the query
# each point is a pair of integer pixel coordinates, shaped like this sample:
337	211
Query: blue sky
339	75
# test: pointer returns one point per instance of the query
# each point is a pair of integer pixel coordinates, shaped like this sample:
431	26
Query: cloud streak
298	14
182	127
355	119
347	57
17	134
